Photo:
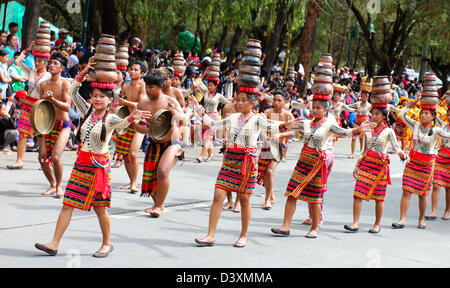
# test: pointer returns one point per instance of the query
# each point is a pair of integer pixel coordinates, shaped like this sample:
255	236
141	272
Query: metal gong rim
160	124
42	117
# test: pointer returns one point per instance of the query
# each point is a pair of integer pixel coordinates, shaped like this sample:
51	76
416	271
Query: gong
277	151
42	117
160	124
122	112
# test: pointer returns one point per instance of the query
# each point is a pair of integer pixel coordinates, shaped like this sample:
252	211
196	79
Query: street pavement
168	242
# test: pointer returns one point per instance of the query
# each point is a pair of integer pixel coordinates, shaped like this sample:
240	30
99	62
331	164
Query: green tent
185	41
15	12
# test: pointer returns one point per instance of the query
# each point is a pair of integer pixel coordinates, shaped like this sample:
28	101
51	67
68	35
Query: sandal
349	228
45	249
105	254
398	226
202	243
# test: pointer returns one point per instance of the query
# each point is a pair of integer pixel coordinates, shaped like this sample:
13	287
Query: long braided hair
109	94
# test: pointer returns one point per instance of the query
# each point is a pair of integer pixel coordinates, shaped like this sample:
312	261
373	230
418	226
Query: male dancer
35	78
172	91
266	163
52	145
127	144
161	155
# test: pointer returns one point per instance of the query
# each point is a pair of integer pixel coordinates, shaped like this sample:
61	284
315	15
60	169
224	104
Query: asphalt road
142	241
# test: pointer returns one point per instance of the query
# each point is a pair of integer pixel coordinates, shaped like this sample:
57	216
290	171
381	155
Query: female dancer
363	109
89	183
337	106
309	179
210	103
441	175
372	170
418	173
239	171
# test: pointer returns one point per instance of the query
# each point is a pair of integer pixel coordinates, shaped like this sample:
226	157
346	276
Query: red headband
100	85
323	97
41	54
429	107
123	68
365	91
382	106
179	74
251	90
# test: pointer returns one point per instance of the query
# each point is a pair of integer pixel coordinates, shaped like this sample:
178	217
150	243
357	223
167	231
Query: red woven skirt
239	171
373	177
24	120
442	168
89	185
418	173
52	137
309	179
123	143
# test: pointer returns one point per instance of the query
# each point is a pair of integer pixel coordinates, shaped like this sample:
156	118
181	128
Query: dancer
363	110
171	90
52	145
127	144
309	179
441	175
210	103
372	170
89	184
239	171
337	106
35	78
419	171
266	163
161	154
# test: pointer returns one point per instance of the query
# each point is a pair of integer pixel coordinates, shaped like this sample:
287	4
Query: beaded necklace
420	141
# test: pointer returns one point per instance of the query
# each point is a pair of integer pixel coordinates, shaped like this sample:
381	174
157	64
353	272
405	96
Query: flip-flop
238	244
280	232
430	217
45	249
373	231
445	218
105	254
420	226
310	236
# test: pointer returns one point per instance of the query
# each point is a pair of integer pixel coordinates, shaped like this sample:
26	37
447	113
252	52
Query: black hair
13	24
141	65
154	77
16	54
385	113
282	93
3	53
324	103
109	94
9	37
434	113
59	57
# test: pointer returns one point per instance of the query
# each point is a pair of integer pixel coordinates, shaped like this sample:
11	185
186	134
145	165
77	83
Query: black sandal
349	228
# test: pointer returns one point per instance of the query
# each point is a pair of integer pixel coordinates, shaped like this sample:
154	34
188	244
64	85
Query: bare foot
149	209
268	205
228	206
134	190
59	192
237	208
126	187
104	248
50	191
307	222
156	211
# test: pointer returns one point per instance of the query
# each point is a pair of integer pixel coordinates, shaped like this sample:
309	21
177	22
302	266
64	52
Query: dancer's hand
89	65
292	124
141	115
367	126
48	95
355	172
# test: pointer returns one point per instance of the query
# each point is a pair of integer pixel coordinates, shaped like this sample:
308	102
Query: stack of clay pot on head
430	96
214	68
179	64
381	94
41	47
290	77
323	79
122	57
250	67
105	74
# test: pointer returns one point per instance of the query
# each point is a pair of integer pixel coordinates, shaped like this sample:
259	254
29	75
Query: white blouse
34	81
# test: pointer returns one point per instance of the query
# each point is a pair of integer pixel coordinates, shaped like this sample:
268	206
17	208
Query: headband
380	106
41	54
250	90
323	97
122	68
429	107
100	85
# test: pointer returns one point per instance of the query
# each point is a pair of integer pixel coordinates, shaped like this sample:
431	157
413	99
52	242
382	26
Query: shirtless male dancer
162	154
52	145
128	144
266	163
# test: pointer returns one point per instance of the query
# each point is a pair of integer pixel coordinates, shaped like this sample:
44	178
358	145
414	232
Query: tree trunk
271	49
307	41
223	36
110	17
30	22
93	29
234	43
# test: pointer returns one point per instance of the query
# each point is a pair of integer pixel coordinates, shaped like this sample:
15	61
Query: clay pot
322	88
378	80
289	83
45	25
326	58
105	48
254	43
122	62
381	88
105	65
179	68
249	69
429	100
122	55
325	71
247	80
324	79
122	48
103	76
43	36
214	68
247	59
107	39
253	52
104	57
178	62
42	42
43	31
429	83
383	98
42	48
430	76
213	74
